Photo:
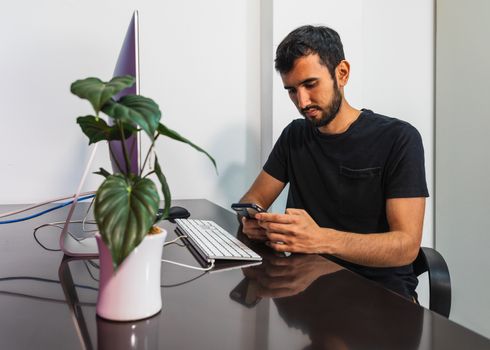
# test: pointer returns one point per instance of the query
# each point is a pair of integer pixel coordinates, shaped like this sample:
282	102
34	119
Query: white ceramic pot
133	291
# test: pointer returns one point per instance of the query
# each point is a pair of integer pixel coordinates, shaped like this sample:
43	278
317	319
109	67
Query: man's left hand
294	232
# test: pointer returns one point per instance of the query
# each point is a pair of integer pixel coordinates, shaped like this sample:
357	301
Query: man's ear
342	72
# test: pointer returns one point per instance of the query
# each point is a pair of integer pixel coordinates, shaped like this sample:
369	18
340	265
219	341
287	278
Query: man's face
313	90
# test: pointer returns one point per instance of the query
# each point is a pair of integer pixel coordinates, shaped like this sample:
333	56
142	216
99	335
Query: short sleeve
277	163
406	166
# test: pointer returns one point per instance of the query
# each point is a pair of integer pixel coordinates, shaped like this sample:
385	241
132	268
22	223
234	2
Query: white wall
392	63
199	61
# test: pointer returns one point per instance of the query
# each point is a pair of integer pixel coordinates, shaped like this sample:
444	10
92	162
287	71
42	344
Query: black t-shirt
343	180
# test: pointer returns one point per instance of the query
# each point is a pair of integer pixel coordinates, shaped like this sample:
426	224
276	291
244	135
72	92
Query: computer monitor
128	64
79	243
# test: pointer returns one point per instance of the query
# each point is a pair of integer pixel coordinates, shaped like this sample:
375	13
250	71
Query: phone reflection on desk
245	293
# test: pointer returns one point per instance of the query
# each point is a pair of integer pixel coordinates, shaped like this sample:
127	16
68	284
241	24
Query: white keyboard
213	242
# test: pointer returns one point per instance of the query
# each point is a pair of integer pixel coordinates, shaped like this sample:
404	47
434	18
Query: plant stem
125	150
148	154
151	172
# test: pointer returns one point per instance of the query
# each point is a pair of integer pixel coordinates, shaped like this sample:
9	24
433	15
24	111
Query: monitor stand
82	246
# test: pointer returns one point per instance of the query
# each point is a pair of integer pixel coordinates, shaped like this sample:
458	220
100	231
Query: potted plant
127	203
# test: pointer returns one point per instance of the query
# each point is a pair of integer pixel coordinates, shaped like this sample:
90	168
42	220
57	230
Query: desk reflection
141	334
280	276
319	297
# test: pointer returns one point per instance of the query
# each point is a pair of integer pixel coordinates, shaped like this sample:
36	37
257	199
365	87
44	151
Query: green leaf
99	92
135	110
165	189
96	129
125	209
163	130
102	172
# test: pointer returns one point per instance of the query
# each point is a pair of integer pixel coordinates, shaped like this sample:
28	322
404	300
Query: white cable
58	224
174	240
43	203
184	265
190	267
84	221
71	222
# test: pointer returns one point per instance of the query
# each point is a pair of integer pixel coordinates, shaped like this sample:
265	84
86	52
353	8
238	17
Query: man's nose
303	98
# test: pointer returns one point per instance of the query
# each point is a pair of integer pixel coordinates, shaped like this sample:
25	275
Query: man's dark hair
307	40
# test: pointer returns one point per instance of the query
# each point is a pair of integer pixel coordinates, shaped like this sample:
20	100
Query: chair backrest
439	280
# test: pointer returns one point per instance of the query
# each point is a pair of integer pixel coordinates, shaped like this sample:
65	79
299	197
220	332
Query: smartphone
247	209
245	293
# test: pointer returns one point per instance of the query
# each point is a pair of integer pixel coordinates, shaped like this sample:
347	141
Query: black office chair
439	281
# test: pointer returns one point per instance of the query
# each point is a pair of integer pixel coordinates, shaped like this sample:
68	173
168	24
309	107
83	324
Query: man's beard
328	113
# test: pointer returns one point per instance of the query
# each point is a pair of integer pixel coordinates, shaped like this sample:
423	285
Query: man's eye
310	85
291	91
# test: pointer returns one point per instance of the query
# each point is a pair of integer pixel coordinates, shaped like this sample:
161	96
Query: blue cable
46	211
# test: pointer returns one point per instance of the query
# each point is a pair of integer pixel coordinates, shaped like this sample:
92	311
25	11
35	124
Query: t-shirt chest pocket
361	192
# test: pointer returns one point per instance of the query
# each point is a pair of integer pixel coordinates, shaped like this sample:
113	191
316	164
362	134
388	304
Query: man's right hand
252	230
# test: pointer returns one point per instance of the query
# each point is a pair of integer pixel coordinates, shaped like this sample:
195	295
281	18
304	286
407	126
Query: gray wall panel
462	206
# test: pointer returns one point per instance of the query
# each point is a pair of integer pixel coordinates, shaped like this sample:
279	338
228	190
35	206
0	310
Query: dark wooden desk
48	302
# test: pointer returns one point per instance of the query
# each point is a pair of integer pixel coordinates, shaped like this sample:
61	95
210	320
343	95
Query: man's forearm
395	248
250	198
263	191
